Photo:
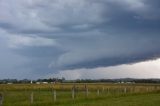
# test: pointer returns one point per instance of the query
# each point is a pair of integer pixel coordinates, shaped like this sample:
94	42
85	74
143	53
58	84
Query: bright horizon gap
151	69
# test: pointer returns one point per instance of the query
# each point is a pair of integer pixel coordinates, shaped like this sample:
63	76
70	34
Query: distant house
38	83
9	83
44	82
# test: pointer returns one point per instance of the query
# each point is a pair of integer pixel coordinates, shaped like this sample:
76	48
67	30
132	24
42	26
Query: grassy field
81	95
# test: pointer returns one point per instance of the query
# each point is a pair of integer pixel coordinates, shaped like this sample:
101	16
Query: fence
84	92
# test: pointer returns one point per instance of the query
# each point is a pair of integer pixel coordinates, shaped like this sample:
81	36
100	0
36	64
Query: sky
79	39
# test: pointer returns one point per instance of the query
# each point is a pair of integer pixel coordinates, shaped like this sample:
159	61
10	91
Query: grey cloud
64	16
88	33
39	52
59	14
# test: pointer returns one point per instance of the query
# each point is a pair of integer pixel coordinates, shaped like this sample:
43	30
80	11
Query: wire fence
75	92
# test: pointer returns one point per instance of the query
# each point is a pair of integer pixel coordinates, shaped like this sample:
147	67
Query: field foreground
80	95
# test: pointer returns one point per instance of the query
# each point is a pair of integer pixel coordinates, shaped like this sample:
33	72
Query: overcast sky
79	38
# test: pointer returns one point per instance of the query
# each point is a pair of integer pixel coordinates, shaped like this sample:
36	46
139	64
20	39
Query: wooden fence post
125	90
32	98
55	96
1	99
73	93
86	90
98	92
103	89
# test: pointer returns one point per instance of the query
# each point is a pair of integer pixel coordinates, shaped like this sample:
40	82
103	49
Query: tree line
63	80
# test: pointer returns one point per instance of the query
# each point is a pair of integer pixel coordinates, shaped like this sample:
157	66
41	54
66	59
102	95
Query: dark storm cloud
113	61
39	52
59	35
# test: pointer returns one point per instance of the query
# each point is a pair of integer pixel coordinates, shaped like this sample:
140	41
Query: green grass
136	95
